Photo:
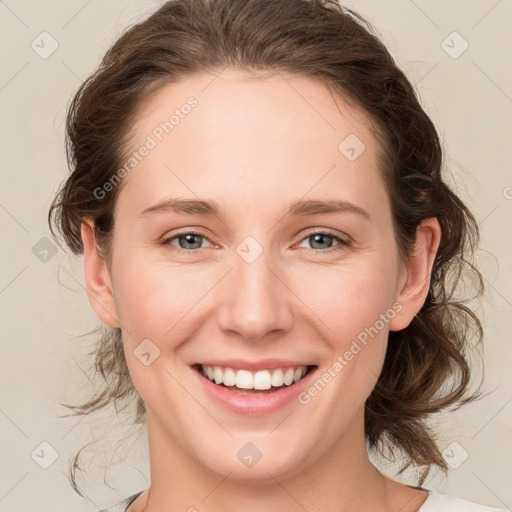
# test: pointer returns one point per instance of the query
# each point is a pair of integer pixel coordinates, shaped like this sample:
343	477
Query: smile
246	380
253	392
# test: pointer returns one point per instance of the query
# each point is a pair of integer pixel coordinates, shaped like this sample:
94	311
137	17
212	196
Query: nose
257	300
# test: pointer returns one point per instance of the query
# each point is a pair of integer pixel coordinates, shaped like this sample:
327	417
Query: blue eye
189	241
318	238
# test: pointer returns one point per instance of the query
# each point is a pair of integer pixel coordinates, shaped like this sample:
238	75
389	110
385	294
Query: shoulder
436	502
123	505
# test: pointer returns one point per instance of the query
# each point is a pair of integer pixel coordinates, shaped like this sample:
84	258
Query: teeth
217	374
244	380
277	378
262	379
229	378
289	376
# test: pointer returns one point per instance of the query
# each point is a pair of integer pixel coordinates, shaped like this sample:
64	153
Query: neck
340	479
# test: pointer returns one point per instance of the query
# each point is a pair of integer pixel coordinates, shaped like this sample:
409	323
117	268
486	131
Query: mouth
261	382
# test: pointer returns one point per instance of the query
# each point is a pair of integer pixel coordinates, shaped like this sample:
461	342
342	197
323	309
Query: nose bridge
257	300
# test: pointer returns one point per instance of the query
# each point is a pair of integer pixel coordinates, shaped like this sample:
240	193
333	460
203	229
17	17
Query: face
286	259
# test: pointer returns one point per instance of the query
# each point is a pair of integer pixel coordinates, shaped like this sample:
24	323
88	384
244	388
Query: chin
250	459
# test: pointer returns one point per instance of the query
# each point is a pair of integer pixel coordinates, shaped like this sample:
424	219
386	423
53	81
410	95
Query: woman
258	196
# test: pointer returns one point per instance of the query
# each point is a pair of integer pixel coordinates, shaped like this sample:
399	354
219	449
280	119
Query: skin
254	145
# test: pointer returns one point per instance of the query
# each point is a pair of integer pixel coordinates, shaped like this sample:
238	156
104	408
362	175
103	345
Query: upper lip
262	364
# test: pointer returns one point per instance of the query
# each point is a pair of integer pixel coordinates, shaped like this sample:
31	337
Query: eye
188	241
322	238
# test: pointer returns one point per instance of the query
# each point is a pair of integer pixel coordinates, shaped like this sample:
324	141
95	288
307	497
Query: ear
97	277
414	280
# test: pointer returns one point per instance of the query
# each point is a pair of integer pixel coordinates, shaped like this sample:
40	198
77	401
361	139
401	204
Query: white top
435	502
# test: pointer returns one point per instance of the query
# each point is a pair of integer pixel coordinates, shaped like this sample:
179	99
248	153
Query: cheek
347	298
154	297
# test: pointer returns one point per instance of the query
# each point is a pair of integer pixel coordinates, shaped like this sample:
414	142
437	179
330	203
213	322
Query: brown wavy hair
427	366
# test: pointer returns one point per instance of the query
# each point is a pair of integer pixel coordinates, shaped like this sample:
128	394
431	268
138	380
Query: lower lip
254	404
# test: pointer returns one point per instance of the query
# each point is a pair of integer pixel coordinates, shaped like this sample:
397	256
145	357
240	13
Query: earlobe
97	278
413	290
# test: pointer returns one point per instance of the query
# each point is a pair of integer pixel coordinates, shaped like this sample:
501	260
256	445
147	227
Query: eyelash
343	241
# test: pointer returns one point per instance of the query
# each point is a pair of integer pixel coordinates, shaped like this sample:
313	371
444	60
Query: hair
426	367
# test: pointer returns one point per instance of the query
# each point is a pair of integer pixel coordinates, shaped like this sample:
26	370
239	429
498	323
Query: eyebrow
211	208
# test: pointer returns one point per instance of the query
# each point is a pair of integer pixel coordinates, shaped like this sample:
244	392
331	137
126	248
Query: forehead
235	133
295	107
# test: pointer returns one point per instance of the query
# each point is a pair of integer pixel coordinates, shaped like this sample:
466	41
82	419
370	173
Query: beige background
44	308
